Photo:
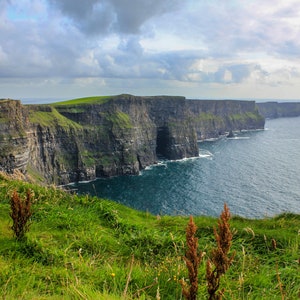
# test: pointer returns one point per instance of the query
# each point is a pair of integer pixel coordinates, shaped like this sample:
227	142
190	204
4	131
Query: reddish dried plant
20	214
192	260
220	261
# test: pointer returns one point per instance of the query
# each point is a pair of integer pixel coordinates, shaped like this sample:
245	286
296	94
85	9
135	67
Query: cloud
37	50
108	16
189	44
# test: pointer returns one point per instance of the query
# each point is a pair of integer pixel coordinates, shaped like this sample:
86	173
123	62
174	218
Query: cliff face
214	118
71	141
14	150
279	110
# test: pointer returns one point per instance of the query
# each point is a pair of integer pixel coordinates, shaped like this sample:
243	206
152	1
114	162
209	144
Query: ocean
257	173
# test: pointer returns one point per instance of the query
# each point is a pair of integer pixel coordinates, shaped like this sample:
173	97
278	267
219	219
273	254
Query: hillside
80	247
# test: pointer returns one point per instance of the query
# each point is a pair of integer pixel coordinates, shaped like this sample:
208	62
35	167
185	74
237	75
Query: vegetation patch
3	120
245	117
85	100
106	160
207	117
88	158
34	174
120	120
83	247
51	118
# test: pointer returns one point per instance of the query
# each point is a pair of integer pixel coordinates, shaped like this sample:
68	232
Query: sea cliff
274	109
109	136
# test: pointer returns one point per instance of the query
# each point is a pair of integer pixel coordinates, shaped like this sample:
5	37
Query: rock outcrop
109	136
14	124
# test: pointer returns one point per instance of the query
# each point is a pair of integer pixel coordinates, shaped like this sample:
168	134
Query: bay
257	173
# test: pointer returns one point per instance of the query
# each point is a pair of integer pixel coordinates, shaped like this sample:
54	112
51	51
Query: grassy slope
85	248
52	118
85	100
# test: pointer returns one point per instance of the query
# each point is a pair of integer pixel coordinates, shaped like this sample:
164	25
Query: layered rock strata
119	135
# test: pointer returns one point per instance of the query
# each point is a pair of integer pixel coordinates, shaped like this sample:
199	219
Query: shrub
219	256
217	264
20	214
192	260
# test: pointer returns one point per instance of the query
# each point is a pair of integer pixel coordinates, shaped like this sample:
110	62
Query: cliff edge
94	137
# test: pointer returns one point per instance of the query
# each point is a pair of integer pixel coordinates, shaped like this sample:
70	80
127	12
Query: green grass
51	118
120	120
245	117
208	117
82	247
85	100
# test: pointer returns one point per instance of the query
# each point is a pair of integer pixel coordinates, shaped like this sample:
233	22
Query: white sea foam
205	154
239	138
158	164
184	159
210	139
80	182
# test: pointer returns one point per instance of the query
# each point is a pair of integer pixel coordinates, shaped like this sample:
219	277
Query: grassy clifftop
80	247
84	100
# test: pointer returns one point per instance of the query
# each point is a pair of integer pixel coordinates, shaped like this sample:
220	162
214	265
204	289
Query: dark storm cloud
107	16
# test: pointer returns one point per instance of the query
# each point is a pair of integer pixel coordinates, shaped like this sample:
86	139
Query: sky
200	49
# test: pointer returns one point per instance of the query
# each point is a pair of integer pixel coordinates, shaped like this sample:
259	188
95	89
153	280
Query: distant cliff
107	136
279	110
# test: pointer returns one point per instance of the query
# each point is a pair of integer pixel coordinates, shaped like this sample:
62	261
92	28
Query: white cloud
190	48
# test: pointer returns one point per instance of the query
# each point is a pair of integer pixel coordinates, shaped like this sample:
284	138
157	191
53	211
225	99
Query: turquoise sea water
256	173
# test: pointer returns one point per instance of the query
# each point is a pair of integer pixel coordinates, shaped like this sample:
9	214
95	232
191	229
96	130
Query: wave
239	138
158	164
209	140
184	159
78	182
205	154
164	163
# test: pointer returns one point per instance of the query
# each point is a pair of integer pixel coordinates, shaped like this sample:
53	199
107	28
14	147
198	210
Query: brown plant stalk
192	260
20	214
220	261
